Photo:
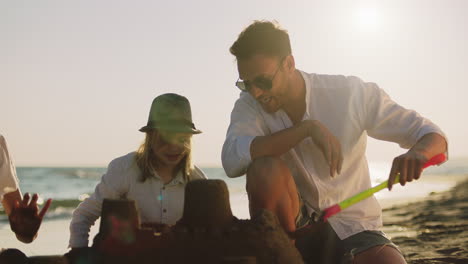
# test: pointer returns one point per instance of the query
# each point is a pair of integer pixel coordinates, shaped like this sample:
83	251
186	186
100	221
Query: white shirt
351	109
8	179
155	201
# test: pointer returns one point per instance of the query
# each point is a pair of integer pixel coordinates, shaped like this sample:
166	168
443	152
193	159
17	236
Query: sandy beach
428	229
434	230
52	238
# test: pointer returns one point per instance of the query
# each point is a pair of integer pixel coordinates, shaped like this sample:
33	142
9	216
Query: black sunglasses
260	82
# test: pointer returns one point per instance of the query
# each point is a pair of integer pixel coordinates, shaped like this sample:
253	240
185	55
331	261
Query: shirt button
164	210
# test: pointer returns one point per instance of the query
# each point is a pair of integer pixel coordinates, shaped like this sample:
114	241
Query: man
23	214
300	138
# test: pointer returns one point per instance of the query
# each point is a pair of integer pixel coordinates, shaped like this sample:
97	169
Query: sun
368	19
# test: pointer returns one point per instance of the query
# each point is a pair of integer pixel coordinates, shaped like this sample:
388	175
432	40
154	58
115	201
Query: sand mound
432	231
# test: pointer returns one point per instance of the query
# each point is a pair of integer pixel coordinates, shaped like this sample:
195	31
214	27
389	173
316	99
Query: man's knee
380	254
267	168
267	174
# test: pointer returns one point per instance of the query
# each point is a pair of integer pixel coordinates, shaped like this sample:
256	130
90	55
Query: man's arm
409	165
384	119
248	137
282	141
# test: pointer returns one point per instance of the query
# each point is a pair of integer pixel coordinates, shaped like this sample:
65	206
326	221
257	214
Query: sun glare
367	19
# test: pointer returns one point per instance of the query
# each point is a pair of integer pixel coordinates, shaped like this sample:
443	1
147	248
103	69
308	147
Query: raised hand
25	217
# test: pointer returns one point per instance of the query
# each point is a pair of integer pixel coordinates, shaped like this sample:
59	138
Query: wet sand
434	230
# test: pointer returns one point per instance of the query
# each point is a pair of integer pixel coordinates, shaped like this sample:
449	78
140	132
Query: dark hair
262	37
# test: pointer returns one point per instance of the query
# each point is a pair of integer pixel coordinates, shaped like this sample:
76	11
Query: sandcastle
206	233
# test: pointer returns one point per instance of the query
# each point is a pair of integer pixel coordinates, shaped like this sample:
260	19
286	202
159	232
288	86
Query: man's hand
25	218
409	166
328	144
284	140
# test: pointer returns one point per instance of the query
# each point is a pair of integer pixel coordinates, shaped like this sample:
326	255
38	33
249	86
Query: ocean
67	186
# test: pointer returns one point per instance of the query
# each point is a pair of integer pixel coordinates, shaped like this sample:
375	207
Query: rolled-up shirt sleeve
113	185
384	119
246	124
8	178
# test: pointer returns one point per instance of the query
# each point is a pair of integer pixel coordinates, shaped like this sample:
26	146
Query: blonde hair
146	160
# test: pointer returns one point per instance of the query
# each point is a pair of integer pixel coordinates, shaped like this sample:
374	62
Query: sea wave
87	173
61	172
59	209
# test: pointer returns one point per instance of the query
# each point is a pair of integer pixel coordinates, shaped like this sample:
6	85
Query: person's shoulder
339	83
246	103
124	162
2	141
348	80
197	173
4	156
333	77
330	80
245	98
125	158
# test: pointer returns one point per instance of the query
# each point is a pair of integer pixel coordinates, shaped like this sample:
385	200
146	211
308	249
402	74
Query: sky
77	78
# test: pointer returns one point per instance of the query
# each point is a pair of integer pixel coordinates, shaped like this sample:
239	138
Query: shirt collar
178	179
308	86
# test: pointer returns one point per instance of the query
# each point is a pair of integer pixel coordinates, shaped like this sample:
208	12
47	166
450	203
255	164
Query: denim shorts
324	246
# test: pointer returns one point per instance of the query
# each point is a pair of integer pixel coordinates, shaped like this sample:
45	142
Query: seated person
154	176
300	139
23	213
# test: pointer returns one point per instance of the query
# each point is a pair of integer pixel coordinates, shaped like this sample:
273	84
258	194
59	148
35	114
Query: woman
154	176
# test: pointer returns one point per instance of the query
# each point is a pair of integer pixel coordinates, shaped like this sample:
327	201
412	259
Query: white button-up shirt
351	109
8	179
155	201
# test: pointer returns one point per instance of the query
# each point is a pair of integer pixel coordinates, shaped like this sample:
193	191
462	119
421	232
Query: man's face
261	69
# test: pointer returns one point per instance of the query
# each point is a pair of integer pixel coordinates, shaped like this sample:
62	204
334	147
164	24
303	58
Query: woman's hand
25	217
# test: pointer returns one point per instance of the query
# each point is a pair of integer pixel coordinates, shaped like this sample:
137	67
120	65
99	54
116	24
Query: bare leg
380	254
271	186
